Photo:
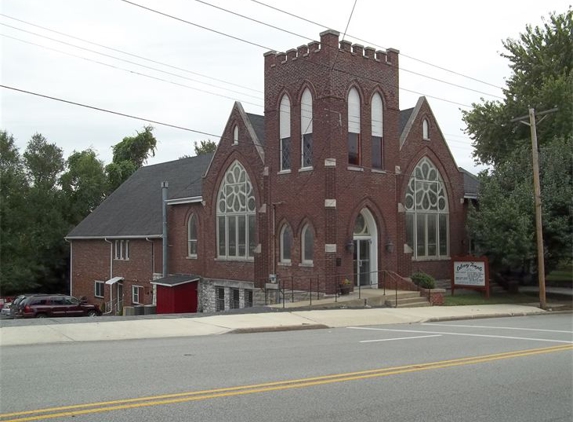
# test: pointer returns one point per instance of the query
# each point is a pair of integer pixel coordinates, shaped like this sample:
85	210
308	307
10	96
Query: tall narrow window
354	144
286	244
306	129
307	246
426	130
192	237
427	212
284	118
377	132
236	215
235	135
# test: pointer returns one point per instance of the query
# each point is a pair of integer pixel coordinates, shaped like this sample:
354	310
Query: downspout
153	286
110	270
71	266
164	191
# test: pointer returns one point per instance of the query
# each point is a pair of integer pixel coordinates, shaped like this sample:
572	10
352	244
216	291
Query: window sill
380	171
191	257
306	264
98	297
284	264
432	259
284	172
303	169
354	168
234	259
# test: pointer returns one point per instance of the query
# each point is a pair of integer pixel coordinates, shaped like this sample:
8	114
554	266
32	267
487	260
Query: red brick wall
91	262
298	197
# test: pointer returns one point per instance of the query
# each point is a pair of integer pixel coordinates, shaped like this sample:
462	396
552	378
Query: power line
108	111
195	24
120	59
128	70
130	54
370	43
271	49
307	38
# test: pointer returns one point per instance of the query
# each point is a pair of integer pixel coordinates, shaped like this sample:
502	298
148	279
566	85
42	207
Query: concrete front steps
406	300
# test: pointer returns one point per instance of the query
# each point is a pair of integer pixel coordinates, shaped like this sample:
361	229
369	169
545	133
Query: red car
44	306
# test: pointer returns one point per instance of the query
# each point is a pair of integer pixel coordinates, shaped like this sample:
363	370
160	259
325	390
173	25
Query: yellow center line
107	406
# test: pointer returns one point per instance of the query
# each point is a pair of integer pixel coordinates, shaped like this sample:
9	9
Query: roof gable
134	209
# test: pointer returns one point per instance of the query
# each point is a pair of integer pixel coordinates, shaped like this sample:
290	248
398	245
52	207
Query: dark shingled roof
404	116
134	209
175	280
471	184
258	123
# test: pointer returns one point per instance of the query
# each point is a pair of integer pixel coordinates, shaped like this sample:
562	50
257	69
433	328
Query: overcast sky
207	71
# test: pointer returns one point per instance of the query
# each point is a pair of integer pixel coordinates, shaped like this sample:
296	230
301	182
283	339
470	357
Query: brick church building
334	182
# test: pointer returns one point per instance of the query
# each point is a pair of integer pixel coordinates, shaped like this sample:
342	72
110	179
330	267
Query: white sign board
468	273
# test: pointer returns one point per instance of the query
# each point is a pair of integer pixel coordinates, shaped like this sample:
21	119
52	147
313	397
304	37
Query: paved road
506	369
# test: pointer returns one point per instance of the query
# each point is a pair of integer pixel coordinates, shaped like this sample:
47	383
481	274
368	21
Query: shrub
423	280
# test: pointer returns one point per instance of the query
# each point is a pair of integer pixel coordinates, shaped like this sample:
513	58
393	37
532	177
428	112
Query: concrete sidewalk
91	330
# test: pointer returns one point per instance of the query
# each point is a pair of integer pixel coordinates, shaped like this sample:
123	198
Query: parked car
43	306
16	303
5	312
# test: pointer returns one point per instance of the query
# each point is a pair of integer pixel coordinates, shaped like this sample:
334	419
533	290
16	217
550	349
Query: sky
189	75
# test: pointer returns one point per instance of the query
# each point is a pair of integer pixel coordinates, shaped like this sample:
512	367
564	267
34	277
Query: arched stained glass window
236	208
427	215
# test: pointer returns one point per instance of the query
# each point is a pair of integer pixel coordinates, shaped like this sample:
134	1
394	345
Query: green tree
129	155
504	225
84	184
205	147
16	271
541	60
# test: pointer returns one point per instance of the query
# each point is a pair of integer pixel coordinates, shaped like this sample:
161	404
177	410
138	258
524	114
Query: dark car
43	306
14	308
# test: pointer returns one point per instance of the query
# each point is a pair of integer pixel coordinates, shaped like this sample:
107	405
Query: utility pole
537	193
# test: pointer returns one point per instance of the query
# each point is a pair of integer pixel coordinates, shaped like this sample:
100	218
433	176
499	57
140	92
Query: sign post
470	272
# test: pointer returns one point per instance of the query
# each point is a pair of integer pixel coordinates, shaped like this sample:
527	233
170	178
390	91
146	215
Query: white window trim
425	130
192	220
121	250
236	135
99	283
133	290
303	246
284	260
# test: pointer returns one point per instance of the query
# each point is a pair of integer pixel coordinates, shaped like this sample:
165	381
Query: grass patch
480	299
561	277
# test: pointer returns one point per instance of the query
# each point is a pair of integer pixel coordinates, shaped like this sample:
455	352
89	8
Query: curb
485	316
278	328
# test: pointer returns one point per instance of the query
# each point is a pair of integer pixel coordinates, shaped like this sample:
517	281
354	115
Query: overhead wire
271	49
131	54
128	70
108	111
370	43
123	60
345	32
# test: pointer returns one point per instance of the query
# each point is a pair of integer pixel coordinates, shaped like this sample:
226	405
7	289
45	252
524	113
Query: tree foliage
205	147
541	60
43	196
129	155
503	227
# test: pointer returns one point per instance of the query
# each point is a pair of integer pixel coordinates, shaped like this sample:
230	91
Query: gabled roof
404	117
471	184
134	209
258	123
